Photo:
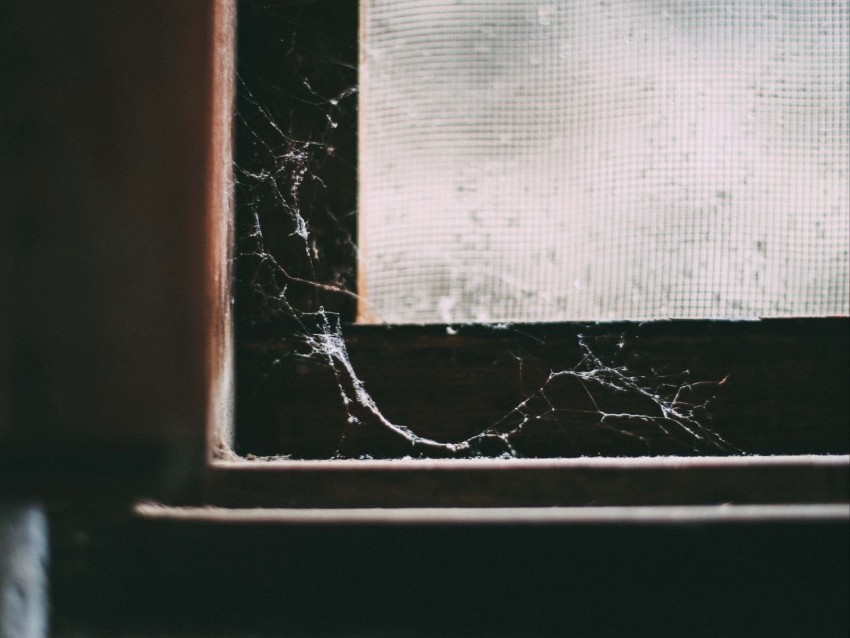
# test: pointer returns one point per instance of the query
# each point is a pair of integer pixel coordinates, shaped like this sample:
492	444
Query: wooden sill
492	483
619	515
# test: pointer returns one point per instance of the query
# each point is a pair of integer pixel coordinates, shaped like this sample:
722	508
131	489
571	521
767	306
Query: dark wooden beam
112	320
777	386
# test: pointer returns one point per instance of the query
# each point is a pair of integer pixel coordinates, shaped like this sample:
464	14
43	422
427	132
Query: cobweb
296	176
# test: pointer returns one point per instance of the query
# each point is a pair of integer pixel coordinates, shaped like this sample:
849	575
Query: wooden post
112	243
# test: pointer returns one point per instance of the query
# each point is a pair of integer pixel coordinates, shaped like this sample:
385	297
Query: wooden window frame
346	490
118	384
114	242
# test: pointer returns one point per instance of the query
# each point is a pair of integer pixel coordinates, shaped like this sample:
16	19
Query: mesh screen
587	160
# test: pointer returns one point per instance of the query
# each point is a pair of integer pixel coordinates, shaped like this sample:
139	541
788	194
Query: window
313	385
599	161
114	360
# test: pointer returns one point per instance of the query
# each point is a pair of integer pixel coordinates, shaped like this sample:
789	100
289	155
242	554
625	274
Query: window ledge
543	483
651	515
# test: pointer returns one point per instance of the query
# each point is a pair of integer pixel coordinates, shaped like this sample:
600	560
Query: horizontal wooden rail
777	386
675	514
529	483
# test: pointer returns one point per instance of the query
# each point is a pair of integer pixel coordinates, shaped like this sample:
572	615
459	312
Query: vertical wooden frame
115	176
220	227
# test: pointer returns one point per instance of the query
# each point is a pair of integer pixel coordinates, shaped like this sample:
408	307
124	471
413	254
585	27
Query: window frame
661	482
113	323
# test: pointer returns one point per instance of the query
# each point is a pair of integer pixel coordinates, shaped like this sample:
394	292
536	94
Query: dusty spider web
295	175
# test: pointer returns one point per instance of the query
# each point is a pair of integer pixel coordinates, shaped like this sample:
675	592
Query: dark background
130	577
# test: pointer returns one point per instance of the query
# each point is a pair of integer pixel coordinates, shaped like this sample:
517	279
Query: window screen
595	160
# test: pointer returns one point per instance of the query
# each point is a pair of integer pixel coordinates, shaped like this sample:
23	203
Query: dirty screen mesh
587	160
